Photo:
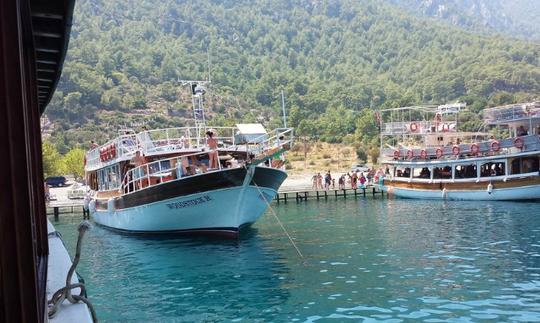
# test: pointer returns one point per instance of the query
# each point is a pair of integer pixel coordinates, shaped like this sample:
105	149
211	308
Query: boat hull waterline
503	194
222	211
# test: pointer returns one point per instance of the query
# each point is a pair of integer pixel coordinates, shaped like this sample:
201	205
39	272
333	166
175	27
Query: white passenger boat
162	181
429	158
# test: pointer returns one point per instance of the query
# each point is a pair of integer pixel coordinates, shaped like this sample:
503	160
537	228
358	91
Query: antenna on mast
283	108
198	90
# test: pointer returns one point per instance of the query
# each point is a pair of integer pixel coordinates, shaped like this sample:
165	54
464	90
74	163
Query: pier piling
302	195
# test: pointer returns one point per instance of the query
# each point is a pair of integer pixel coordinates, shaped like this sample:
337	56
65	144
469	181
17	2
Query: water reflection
364	259
143	278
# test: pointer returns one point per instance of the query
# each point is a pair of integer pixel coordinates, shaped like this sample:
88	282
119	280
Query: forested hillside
516	18
335	60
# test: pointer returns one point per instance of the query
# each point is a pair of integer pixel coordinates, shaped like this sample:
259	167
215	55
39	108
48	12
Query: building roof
51	26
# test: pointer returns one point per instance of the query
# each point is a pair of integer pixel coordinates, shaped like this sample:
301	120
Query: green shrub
361	154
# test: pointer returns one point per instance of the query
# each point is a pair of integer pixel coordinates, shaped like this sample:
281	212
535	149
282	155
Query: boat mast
198	90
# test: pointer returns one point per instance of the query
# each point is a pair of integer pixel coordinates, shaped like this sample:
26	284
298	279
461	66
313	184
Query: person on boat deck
425	173
521	131
185	139
407	172
179	165
212	144
93	145
137	161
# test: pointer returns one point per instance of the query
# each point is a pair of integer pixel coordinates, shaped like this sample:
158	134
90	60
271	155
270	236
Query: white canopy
251	128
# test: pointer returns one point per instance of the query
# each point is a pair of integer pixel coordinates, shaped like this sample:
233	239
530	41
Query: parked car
360	168
56	181
77	191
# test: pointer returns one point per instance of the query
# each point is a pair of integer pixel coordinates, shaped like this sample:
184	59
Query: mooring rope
65	292
277	219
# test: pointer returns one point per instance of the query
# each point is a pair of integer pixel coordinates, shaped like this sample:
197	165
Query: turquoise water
366	259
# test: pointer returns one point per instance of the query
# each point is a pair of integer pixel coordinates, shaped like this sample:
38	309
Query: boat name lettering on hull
188	203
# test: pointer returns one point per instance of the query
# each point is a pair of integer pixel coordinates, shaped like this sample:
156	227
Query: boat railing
174	139
491	147
188	165
416	127
277	138
455	179
165	170
122	146
512	112
171	140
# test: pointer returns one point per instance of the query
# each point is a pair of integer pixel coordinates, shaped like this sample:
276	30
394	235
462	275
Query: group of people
317	181
355	179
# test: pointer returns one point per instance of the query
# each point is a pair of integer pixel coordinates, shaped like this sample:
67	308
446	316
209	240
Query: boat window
109	178
492	169
524	165
442	172
466	171
529	164
402	171
421	172
159	166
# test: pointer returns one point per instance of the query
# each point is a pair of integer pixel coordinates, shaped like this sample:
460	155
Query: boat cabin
134	161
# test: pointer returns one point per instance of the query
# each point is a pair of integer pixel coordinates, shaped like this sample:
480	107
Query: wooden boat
432	159
163	181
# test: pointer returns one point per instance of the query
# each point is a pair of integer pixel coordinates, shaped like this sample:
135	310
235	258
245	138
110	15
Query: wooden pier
73	206
302	195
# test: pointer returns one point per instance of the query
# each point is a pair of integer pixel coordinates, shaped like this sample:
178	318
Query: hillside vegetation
516	18
335	61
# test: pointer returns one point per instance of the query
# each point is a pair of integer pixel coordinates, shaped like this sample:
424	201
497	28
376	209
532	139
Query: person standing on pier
341	182
362	180
327	180
354	180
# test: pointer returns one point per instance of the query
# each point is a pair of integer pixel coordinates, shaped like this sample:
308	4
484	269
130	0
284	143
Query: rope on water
65	292
278	220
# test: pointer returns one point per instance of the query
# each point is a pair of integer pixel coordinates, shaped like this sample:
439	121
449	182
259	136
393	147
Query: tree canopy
335	60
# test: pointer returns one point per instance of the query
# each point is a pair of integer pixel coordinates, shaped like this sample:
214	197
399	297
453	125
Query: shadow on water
190	278
364	259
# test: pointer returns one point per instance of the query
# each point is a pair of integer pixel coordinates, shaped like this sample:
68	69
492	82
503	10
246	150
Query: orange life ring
396	154
455	150
423	154
413	127
410	154
475	149
495	146
439	152
445	127
518	143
